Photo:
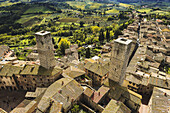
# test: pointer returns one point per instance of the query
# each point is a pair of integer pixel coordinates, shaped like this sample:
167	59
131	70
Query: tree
75	109
88	52
101	36
81	24
95	29
63	44
108	35
117	33
93	23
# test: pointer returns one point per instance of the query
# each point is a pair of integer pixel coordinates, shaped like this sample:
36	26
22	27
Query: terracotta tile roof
98	95
160	100
3	48
39	70
74	72
116	107
97	68
9	70
65	90
88	92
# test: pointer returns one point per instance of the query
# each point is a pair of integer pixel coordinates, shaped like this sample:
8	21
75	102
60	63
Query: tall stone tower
45	49
119	59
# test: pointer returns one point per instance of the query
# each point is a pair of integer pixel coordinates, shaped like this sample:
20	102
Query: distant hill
136	1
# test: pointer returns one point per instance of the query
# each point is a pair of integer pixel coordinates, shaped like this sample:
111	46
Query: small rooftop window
123	39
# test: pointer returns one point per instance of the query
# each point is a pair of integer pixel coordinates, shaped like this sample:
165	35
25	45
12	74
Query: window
117	51
12	82
32	69
24	76
33	78
42	42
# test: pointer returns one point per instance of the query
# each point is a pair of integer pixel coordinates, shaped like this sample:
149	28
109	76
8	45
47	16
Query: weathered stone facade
45	49
119	59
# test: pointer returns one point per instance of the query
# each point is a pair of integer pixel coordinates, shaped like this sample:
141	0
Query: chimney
60	91
117	102
165	94
62	83
67	98
72	100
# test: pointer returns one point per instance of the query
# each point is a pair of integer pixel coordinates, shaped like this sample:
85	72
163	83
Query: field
84	5
7	3
112	11
125	5
95	5
68	20
38	9
147	10
80	5
160	12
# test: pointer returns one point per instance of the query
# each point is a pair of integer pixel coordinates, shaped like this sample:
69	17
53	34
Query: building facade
119	59
45	49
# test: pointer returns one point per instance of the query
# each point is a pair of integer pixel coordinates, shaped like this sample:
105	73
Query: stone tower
45	49
119	59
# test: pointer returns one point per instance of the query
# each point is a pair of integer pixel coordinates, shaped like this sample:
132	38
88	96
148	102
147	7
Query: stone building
65	91
96	100
7	77
45	49
97	71
119	59
116	107
160	101
33	76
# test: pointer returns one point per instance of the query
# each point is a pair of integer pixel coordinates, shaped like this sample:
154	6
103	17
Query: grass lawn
112	11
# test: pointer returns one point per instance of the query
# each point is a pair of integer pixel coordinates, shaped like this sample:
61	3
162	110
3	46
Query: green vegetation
125	5
147	10
70	22
112	11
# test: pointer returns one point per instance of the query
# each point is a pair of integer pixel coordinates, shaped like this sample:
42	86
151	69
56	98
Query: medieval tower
45	49
119	59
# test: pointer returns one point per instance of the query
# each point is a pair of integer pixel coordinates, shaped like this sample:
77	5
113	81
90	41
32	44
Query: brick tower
45	49
119	59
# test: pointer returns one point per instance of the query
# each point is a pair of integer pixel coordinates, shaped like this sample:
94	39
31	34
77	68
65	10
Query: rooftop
39	70
160	100
98	95
123	41
98	68
74	72
9	70
116	107
42	33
